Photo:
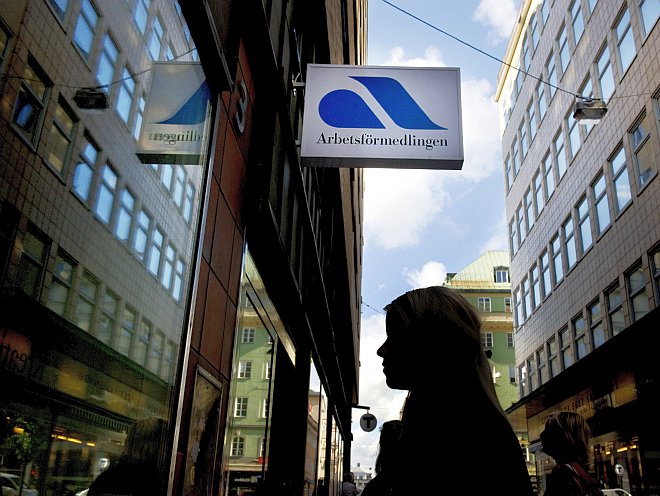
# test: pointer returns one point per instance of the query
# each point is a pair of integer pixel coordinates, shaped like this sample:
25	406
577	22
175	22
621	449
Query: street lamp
589	110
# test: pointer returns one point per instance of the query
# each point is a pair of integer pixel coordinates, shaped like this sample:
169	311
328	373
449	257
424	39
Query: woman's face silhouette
397	353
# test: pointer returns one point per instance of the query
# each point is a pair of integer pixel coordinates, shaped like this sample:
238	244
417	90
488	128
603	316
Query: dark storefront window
98	263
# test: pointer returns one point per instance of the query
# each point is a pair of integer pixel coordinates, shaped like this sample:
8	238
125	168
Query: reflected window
83	35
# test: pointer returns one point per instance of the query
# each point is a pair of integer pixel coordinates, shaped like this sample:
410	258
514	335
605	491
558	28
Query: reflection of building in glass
95	246
247	432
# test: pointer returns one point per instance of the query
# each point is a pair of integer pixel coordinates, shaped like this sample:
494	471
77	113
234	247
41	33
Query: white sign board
176	116
373	116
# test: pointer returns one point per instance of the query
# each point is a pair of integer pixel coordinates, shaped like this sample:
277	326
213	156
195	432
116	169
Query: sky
420	224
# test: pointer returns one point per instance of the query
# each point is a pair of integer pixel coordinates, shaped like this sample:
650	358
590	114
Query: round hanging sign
368	422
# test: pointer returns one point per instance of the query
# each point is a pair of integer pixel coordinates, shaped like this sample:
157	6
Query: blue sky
421	224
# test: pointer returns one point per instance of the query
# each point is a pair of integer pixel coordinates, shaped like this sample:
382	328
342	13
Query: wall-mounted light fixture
589	110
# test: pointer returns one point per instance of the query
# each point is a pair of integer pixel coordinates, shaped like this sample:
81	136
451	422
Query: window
82	175
522	225
531	120
540	98
529	208
655	273
264	409
61	137
584	225
513	236
563	50
560	155
167	173
240	407
515	158
155	251
527	298
139	115
141	14
87	293
124	215
142	342
188	202
60	286
649	11
106	194
59	7
549	175
247	335
524	145
517	302
534	30
509	173
592	5
622	194
155	356
509	340
605	74
637	293
552	75
83	35
596	324
238	446
28	111
579	336
543	370
5	38
568	232
105	73
483	303
565	344
545	12
177	285
545	274
168	267
602	204
487	339
615	309
507	304
532	372
126	95
554	367
538	193
577	21
31	265
573	135
167	365
108	317
267	370
642	154
587	91
125	338
557	267
244	369
526	54
624	41
536	286
156	41
141	234
179	184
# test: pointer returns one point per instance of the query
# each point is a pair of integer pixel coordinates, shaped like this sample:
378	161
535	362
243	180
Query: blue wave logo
347	109
192	111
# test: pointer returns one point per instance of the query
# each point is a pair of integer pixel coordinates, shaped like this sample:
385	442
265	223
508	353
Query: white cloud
432	58
400	204
431	274
498	239
383	402
499	15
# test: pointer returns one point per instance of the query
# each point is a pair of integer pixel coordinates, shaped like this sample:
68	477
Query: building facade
165	254
583	213
485	284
